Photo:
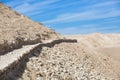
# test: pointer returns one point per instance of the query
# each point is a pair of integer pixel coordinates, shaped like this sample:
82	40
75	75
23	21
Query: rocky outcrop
17	30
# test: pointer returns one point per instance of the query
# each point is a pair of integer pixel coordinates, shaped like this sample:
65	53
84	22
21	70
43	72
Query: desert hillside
30	51
17	30
93	57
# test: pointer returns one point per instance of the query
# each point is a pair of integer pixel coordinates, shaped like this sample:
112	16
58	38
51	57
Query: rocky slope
13	63
84	60
17	30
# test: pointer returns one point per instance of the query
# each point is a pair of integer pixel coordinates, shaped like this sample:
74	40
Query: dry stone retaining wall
15	70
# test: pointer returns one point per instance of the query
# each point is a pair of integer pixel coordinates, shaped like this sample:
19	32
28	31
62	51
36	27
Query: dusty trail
14	55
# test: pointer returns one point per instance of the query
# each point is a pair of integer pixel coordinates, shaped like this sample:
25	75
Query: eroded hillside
17	29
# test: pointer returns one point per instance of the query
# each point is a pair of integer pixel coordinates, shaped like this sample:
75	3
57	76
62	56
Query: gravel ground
70	61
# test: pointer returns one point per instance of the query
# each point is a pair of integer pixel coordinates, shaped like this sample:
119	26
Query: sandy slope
111	51
108	44
91	58
17	30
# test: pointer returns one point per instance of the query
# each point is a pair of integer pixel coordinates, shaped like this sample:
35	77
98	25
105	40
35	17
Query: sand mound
17	30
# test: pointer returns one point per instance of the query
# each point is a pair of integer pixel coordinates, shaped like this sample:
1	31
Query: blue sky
72	16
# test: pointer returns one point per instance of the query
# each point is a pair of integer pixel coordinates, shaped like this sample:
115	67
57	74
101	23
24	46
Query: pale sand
111	51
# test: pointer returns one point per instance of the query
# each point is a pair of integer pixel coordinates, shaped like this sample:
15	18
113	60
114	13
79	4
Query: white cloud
86	15
34	13
96	11
29	9
26	7
106	3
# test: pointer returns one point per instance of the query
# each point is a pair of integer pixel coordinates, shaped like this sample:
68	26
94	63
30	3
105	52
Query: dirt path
11	57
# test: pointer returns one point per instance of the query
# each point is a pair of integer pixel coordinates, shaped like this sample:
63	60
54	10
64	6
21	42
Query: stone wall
15	70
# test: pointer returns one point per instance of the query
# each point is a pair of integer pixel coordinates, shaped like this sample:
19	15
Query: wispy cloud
96	12
106	3
30	9
87	15
34	13
26	7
